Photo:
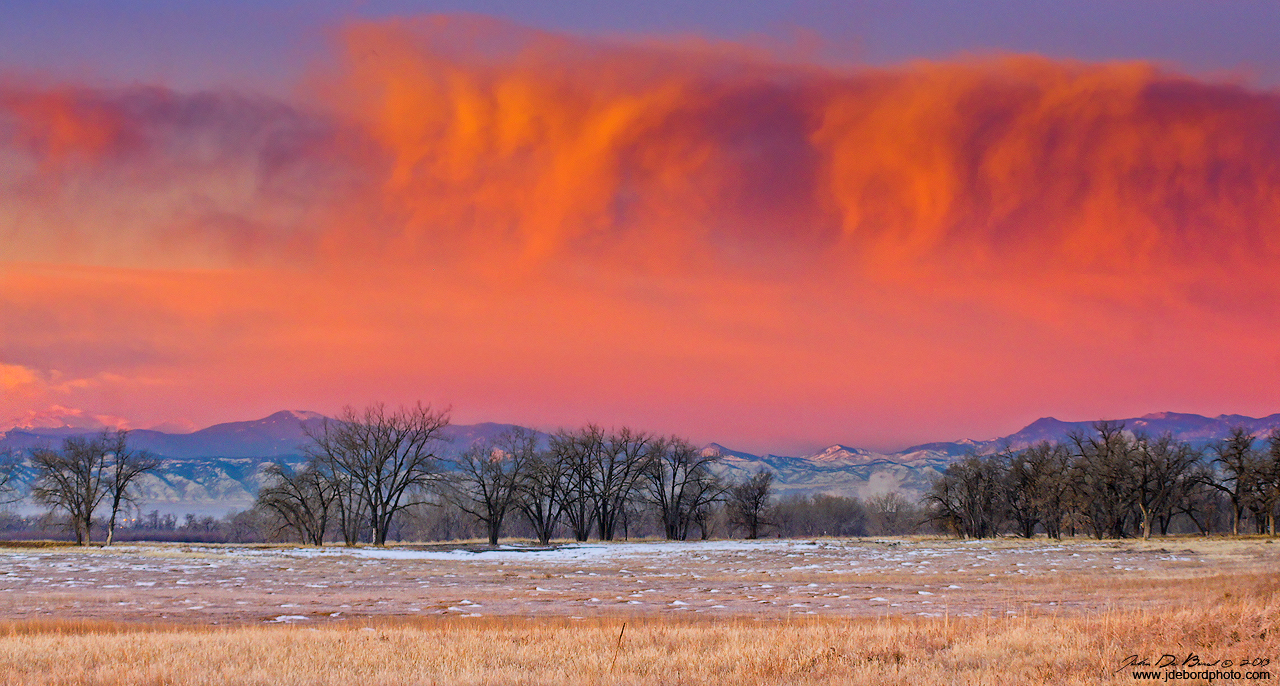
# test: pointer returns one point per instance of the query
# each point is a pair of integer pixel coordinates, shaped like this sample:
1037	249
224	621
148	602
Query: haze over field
694	234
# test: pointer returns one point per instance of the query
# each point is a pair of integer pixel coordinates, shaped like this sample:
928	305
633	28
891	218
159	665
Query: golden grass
37	544
1226	617
1224	603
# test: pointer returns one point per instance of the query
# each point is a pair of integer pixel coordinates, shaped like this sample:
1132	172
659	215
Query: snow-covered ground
220	584
557	554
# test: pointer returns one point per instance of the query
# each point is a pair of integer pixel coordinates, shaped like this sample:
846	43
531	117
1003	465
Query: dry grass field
821	612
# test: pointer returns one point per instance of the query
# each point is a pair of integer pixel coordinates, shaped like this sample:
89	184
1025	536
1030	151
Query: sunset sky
873	223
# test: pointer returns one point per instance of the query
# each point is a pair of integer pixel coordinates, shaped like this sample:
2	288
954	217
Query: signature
1190	660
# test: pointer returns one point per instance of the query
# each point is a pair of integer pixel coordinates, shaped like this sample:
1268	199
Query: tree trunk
544	529
381	521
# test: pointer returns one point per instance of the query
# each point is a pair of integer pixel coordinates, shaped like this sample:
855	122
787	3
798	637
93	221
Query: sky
774	226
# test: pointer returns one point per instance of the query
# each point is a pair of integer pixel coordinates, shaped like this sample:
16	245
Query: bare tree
124	467
1114	483
969	497
72	480
388	456
1239	463
1036	488
1020	490
1263	485
1102	476
541	493
302	500
576	452
1197	497
1268	489
748	502
618	466
349	510
10	466
489	478
890	513
819	514
1158	467
87	472
680	484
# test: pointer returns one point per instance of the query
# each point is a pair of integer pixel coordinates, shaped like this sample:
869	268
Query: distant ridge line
283	433
221	465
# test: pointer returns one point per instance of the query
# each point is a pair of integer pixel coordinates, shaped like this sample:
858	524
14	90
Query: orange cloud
553	145
692	237
60	124
145	176
28	398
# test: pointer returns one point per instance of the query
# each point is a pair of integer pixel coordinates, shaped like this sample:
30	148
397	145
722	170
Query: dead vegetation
1217	599
651	650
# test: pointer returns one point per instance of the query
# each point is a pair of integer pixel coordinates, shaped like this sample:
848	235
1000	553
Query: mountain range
219	467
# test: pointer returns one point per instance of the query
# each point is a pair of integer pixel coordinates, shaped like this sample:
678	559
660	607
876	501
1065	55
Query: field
823	611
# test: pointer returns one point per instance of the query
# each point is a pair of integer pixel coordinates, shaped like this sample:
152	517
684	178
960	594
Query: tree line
378	474
1111	483
366	469
579	483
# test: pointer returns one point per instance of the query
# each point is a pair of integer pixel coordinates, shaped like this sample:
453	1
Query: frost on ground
228	584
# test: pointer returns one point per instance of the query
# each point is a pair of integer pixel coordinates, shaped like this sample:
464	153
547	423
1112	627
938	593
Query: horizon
816	449
892	223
